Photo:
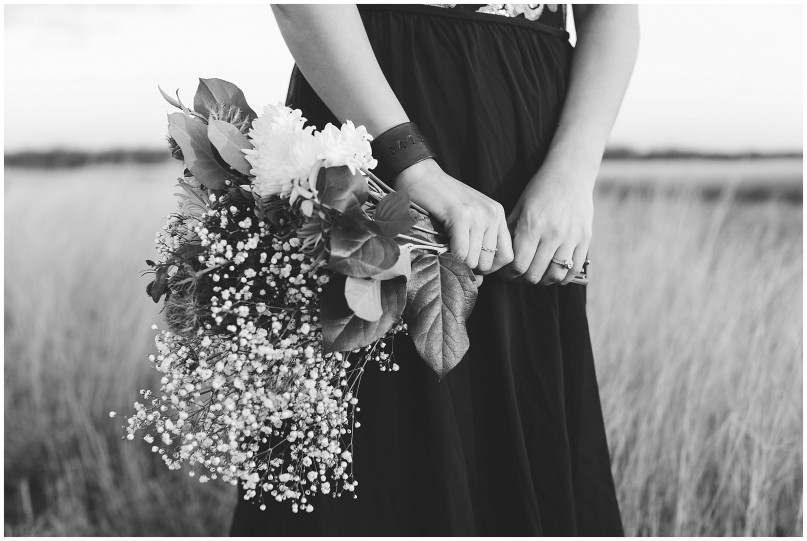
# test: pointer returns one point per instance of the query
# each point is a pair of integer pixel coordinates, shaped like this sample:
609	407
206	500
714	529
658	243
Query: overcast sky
717	77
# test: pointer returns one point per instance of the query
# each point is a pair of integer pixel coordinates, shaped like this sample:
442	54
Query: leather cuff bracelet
398	148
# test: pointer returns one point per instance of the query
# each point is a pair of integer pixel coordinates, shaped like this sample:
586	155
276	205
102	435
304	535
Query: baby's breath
247	393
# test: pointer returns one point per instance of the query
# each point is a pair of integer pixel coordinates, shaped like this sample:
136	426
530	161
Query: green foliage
229	142
402	267
358	249
392	215
219	91
342	190
441	294
158	287
343	330
175	102
440	290
191	136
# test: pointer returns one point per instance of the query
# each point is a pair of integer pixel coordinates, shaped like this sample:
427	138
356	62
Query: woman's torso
488	450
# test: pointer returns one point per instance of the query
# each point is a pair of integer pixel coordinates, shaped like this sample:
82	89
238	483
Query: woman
511	441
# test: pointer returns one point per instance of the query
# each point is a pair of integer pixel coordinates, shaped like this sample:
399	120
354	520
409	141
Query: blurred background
695	303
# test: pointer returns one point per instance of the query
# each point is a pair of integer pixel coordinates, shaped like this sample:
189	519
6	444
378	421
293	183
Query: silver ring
491	250
567	264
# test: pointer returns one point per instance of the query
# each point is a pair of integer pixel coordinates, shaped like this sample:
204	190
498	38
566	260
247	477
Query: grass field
695	306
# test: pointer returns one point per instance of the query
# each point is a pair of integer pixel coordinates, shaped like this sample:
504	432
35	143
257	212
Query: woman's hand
552	218
475	223
554	214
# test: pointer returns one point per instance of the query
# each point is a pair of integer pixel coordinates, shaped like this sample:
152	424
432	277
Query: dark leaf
191	136
212	91
248	195
271	213
393	215
159	285
189	250
240	196
440	296
357	250
150	263
342	190
342	330
229	141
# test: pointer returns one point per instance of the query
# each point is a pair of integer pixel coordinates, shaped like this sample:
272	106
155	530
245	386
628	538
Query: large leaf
342	190
392	215
191	136
212	91
363	296
342	330
229	141
358	250
440	296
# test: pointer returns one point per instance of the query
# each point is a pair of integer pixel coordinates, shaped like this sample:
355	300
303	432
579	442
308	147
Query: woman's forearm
607	45
332	50
330	46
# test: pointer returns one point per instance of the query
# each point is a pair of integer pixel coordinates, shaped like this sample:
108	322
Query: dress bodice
549	14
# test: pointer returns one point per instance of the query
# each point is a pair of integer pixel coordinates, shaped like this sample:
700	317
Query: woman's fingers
579	259
489	249
540	262
504	247
458	238
477	231
523	253
475	236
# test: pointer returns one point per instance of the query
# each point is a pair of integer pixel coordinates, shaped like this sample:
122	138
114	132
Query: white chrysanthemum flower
347	145
278	119
280	159
284	149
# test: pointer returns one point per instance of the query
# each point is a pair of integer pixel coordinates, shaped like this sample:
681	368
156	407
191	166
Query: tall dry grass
695	310
77	337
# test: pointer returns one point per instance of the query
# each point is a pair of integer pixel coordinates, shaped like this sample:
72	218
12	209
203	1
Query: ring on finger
567	264
491	250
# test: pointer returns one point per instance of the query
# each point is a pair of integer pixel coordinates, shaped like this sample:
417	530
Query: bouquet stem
383	185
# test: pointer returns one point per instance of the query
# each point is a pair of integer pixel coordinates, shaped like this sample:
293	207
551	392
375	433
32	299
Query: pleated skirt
512	441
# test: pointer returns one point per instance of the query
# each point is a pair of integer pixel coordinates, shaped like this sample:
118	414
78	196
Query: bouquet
287	267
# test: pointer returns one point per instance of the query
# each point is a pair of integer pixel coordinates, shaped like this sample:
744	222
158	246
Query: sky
708	77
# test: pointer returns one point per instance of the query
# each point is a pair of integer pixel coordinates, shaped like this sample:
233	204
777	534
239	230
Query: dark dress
512	441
